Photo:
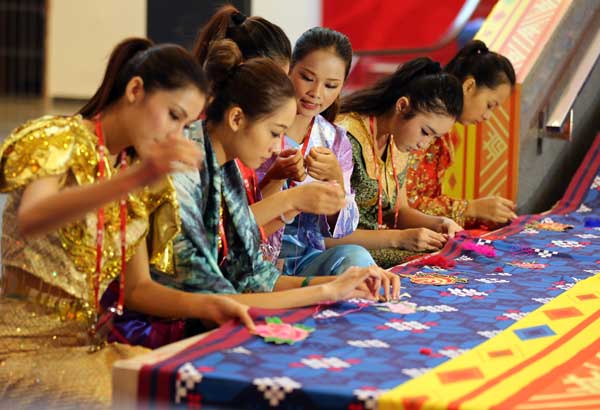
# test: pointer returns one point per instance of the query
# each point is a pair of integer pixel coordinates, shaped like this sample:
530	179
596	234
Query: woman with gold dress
89	200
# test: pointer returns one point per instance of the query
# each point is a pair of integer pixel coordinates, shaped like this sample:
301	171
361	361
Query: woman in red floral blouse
487	78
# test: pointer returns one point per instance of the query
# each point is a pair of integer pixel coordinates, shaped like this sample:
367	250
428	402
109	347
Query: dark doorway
178	21
22	47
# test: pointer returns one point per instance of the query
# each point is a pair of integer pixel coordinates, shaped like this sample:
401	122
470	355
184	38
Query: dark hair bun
224	56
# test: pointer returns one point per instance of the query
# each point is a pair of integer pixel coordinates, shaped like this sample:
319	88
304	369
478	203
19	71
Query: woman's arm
287	299
355	282
413	218
319	198
269	209
415	239
45	206
370	239
147	296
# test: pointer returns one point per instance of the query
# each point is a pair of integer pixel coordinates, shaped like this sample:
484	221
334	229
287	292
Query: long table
513	325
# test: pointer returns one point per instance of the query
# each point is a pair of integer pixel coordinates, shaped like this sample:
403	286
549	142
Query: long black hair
165	66
421	80
258	86
488	68
254	36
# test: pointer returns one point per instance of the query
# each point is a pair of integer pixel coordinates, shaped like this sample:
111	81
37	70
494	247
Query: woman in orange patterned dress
487	80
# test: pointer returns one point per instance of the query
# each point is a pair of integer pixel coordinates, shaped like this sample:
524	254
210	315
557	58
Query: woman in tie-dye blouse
218	248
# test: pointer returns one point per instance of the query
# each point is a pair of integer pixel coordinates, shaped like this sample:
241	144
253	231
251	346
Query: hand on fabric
322	165
449	227
165	156
492	208
355	282
221	309
418	239
319	198
390	283
365	283
289	164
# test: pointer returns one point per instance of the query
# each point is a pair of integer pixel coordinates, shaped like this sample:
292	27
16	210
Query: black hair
488	68
258	86
254	36
165	66
421	80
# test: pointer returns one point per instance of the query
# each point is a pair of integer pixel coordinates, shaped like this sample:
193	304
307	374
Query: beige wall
80	36
293	16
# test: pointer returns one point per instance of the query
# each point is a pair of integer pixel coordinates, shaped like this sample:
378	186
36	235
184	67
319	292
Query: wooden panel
487	160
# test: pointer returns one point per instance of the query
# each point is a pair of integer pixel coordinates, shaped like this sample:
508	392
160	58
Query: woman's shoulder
41	129
334	134
327	125
353	123
46	146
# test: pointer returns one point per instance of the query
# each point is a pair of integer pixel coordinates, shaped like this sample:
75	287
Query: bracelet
285	221
306	281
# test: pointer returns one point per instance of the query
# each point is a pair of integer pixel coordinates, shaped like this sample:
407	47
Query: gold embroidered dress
48	299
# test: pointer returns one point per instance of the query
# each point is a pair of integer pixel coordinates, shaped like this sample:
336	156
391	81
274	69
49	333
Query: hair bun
224	56
482	50
477	47
238	18
433	68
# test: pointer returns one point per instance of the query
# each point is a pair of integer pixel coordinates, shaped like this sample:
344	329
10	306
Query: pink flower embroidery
528	265
278	332
404	308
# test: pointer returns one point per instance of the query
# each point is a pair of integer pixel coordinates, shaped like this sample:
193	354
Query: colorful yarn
484	250
435	260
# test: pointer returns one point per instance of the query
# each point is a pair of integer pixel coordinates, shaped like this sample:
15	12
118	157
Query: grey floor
15	111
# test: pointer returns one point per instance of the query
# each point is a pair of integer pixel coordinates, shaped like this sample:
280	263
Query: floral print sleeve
424	181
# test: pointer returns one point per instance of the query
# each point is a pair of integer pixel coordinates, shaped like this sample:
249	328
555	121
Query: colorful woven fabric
468	345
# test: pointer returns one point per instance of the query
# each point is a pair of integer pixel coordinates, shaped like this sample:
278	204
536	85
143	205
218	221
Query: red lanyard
306	138
251	185
223	249
380	224
100	224
304	144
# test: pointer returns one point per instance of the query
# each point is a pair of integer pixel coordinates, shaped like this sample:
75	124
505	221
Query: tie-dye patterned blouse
198	267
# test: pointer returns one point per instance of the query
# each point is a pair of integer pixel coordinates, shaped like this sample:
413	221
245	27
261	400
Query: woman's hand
493	208
221	309
363	283
449	227
322	165
289	164
417	239
319	198
172	154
